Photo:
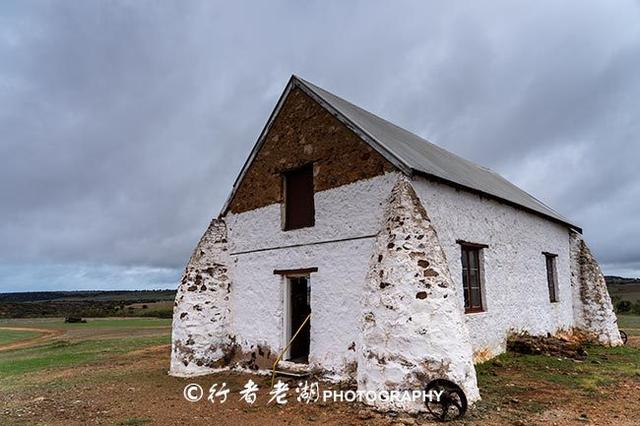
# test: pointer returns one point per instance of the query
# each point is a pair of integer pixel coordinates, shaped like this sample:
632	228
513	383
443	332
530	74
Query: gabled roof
411	154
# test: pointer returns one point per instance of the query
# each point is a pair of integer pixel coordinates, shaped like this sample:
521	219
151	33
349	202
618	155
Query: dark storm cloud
123	124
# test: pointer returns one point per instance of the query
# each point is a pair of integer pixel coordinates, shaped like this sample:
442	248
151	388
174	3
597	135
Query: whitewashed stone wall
593	311
230	305
412	329
201	333
335	292
351	213
516	296
344	212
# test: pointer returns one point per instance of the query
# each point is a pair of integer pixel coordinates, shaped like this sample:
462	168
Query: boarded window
299	210
471	280
552	276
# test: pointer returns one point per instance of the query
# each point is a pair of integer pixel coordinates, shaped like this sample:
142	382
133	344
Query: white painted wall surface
258	299
349	211
515	282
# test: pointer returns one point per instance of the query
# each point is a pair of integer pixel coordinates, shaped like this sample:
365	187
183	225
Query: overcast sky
124	124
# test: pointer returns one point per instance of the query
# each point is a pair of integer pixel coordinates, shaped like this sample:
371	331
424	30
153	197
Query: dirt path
134	388
46	334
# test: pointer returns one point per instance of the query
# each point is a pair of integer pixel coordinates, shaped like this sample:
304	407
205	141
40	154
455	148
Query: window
299	211
552	276
471	276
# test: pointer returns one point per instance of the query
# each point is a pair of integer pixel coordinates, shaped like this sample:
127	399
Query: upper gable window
299	210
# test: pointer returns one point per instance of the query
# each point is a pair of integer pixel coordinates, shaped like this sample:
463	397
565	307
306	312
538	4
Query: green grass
629	292
630	324
100	323
63	353
118	323
10	336
72	349
603	366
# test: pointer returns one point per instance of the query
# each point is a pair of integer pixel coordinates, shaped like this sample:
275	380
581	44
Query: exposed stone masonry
302	133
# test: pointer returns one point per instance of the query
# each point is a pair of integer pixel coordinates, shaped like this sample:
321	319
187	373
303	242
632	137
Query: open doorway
299	308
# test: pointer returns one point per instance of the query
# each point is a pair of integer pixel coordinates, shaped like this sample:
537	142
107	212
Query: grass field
10	336
82	343
94	323
630	323
114	371
625	291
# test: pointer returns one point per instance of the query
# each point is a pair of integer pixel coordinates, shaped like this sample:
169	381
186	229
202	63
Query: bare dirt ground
134	389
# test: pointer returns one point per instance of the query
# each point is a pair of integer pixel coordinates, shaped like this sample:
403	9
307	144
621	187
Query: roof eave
495	197
399	163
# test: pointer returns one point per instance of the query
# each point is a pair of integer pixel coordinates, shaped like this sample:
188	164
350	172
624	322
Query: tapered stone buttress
413	328
201	339
592	307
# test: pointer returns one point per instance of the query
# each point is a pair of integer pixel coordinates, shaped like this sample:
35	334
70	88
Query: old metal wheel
624	337
452	404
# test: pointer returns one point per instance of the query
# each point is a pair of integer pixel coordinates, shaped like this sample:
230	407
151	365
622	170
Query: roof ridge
388	122
503	190
409	152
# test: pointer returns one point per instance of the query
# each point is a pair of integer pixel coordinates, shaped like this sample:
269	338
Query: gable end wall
304	132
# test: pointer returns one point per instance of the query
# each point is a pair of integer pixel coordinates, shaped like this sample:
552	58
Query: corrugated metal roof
423	157
409	152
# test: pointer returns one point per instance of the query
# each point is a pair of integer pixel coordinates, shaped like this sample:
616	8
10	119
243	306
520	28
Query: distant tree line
128	295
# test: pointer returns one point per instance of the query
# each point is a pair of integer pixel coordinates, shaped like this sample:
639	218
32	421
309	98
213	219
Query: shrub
160	313
623	306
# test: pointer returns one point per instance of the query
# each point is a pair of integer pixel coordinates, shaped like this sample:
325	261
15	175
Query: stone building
413	262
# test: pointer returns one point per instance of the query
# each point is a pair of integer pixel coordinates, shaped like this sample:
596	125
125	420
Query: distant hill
88	295
94	303
612	279
623	288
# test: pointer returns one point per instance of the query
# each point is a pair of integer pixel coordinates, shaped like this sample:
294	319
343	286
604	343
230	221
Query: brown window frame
294	272
552	276
308	218
468	249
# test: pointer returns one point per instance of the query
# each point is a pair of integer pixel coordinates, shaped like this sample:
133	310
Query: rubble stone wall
302	133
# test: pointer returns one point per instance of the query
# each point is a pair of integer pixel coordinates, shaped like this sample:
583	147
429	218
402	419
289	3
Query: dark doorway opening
300	307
